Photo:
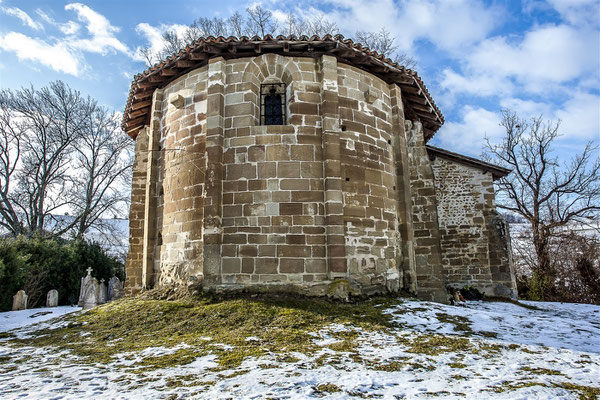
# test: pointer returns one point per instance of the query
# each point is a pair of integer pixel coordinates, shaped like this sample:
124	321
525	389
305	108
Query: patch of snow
24	318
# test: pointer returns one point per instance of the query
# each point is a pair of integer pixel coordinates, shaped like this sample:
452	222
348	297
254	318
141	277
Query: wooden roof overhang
417	100
496	171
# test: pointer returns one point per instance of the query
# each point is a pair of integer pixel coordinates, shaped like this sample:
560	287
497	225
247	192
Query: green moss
584	392
327	388
282	324
461	324
542	371
389	366
433	345
457	365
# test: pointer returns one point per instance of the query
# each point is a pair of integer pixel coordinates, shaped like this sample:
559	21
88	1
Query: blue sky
476	57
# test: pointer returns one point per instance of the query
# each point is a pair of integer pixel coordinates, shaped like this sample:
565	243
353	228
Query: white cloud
546	60
99	27
58	56
580	117
480	84
68	28
526	108
65	54
153	36
23	16
467	135
449	24
546	54
577	12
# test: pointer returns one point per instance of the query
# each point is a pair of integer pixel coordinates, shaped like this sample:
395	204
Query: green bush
38	265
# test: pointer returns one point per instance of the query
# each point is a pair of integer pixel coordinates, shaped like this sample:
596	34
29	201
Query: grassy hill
290	347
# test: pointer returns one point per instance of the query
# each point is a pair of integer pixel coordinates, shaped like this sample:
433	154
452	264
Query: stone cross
19	301
52	298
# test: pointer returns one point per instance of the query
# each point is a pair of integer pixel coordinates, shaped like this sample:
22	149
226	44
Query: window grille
272	104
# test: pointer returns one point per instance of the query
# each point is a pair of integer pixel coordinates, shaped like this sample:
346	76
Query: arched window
272	104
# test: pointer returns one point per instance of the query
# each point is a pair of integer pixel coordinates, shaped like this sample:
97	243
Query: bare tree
294	26
100	162
260	21
149	57
547	194
11	133
50	121
203	27
235	24
384	43
172	44
60	152
320	26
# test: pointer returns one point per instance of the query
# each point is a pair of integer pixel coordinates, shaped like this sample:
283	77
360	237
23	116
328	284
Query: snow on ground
18	319
486	350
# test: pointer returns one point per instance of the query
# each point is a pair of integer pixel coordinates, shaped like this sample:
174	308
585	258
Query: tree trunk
544	276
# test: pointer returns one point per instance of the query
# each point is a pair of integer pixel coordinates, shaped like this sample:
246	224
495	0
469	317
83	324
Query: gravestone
90	294
19	301
52	298
84	283
102	292
115	289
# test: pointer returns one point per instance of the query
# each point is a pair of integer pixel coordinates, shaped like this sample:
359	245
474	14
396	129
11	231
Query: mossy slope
274	324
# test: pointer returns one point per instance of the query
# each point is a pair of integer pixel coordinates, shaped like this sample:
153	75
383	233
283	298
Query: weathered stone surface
102	292
85	281
115	289
19	301
89	291
90	294
474	236
52	298
340	198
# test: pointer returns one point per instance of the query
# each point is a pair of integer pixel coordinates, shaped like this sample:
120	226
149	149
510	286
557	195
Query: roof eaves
144	84
496	170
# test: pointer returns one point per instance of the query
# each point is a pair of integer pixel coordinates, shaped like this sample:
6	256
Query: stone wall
427	245
181	145
273	211
476	246
236	203
342	191
369	181
133	263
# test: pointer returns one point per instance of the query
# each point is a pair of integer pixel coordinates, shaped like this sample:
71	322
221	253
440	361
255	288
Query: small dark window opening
272	104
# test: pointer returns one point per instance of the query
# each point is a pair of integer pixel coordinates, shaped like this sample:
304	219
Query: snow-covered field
18	319
486	350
